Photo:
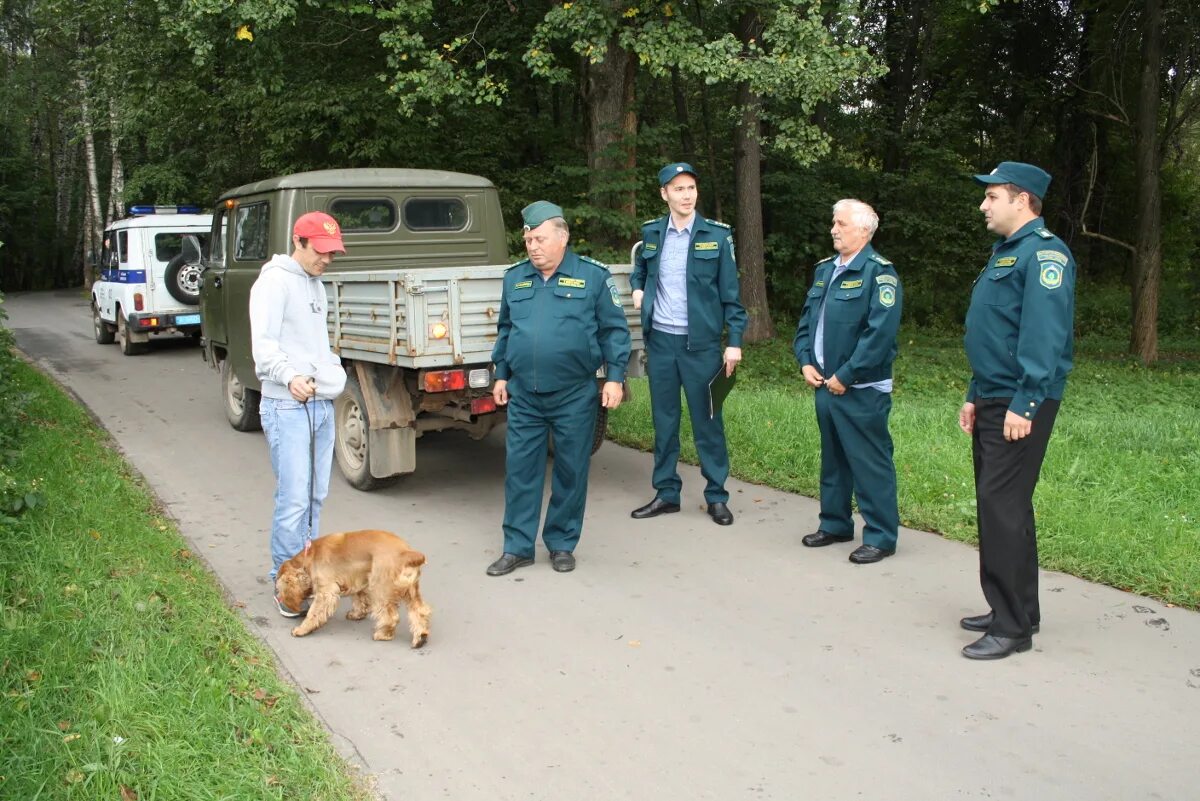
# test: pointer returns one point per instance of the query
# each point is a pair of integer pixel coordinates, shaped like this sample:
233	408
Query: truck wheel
104	333
183	280
240	402
128	347
601	428
352	440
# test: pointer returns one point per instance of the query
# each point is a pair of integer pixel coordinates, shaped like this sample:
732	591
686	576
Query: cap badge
330	228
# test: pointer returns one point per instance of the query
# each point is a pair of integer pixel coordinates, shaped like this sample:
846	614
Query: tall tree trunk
687	143
712	176
747	167
1147	260
608	91
92	229
116	186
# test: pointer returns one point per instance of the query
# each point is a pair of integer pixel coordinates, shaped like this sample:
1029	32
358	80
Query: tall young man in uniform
1019	345
845	345
300	377
685	282
560	320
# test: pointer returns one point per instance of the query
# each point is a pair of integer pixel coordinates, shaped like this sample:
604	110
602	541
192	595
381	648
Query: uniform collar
569	266
857	262
1024	231
690	227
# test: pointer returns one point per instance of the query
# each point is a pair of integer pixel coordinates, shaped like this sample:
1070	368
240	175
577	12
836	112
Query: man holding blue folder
685	282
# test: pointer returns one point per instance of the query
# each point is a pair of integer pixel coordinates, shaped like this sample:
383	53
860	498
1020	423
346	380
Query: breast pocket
570	301
845	305
998	287
705	263
520	304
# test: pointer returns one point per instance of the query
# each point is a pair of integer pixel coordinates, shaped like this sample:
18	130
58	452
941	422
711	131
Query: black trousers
1006	474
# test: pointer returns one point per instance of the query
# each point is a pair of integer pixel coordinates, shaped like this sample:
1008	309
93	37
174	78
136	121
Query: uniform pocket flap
848	294
570	292
997	273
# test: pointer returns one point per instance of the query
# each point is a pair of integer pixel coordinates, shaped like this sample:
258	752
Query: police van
149	281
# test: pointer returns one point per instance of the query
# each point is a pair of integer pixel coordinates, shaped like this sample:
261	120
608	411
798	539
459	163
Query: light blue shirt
670	301
819	335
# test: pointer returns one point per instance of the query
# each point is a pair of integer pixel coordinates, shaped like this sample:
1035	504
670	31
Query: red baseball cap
321	231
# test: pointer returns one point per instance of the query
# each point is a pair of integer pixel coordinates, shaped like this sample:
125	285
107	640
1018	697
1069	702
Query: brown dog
376	567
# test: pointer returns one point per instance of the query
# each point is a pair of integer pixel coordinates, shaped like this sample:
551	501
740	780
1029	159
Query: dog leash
312	472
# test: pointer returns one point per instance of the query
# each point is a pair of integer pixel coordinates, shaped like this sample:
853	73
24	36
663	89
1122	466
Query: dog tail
412	559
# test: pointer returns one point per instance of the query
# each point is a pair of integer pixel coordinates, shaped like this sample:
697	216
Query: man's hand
732	357
500	392
966	418
637	298
1016	427
834	386
812	376
303	387
611	394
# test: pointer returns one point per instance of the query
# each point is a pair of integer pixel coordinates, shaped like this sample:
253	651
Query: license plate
187	319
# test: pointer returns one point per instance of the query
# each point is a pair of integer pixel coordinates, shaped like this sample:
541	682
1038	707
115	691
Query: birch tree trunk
92	230
116	185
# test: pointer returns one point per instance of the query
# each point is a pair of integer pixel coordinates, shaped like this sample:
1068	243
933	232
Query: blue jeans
286	424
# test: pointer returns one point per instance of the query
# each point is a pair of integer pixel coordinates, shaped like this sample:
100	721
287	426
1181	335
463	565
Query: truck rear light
483	406
148	322
445	380
478	379
139	302
438	330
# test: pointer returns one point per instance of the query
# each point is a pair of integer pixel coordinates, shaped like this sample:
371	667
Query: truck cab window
435	214
373	214
252	232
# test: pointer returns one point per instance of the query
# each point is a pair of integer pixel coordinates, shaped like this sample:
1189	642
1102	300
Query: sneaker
284	610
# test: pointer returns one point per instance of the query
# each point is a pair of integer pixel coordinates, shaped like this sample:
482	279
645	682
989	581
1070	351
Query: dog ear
412	559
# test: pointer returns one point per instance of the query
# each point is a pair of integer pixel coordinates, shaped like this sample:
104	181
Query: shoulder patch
1044	233
592	261
717	222
887	295
1052	255
887	279
1051	275
876	257
612	291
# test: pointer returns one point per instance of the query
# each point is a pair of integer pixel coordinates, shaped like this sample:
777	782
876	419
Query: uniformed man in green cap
560	321
685	282
845	345
1019	345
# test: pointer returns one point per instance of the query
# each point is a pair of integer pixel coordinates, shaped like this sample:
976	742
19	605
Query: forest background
784	107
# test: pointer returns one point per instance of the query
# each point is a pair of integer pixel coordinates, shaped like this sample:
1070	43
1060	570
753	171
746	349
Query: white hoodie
288	331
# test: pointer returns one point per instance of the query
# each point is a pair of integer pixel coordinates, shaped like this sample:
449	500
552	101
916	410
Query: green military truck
413	304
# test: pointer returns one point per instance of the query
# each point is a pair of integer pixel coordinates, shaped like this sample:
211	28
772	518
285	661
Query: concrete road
681	660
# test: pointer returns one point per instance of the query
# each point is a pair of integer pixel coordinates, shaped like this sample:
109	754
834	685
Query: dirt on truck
413	304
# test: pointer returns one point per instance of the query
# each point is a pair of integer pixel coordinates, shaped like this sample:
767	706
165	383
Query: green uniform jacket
553	334
713	297
862	317
1020	322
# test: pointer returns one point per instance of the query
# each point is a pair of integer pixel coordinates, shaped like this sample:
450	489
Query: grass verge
123	672
1118	501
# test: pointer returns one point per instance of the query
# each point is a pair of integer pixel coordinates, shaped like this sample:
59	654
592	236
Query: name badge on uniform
574	283
523	285
850	284
707	245
1007	261
650	246
819	283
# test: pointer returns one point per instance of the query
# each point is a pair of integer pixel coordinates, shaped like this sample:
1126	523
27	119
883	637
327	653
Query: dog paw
351	615
420	640
382	635
299	631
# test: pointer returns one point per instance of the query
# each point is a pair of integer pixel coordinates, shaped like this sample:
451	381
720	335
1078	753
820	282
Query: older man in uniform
1019	344
685	282
845	345
560	321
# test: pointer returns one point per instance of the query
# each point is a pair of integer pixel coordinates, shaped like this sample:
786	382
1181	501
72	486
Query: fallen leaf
94	534
74	776
63	725
260	694
127	794
71	737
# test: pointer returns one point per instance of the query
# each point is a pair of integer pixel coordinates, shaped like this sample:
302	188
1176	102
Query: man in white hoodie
300	377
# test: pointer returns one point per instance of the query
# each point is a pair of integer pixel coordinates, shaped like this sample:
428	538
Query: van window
364	215
168	246
435	214
123	247
252	232
217	252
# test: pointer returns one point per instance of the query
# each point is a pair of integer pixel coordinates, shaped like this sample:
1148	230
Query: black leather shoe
819	539
507	564
562	561
720	514
655	508
984	622
989	646
866	554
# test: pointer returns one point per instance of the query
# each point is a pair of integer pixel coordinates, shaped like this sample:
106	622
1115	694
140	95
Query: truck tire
104	332
601	428
128	347
240	402
183	280
352	440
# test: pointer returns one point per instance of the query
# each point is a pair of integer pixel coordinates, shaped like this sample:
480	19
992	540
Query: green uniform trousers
856	456
571	414
672	367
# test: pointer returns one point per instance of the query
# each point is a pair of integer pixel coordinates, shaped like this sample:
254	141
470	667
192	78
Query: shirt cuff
502	373
1025	406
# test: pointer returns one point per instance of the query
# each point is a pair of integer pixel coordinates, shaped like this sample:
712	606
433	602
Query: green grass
1119	497
123	672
